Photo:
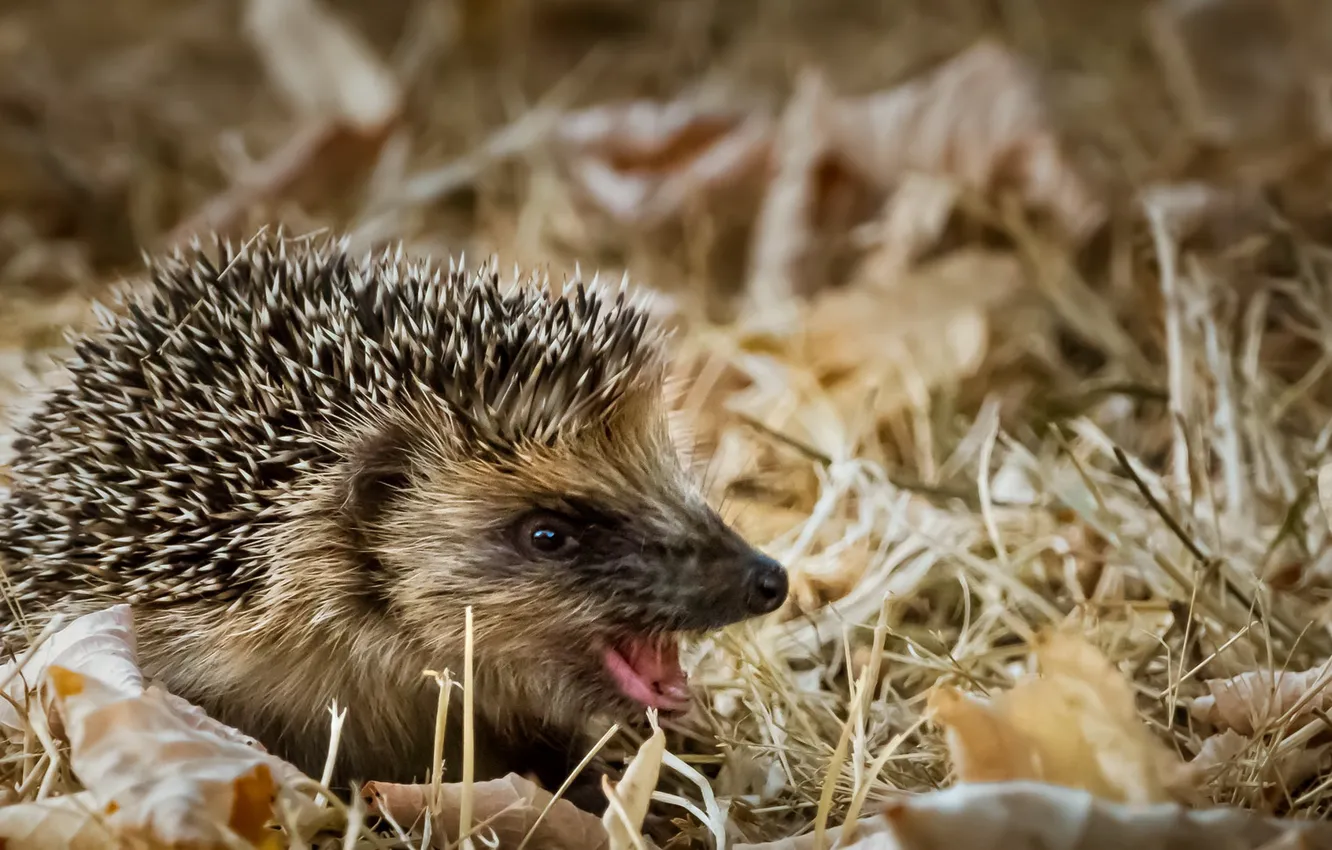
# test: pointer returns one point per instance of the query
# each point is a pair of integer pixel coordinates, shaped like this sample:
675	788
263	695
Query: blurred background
933	261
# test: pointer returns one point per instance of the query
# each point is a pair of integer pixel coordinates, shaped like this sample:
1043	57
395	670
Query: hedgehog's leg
585	791
552	757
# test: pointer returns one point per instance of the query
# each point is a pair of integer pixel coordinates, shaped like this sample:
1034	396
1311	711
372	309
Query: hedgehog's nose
767	584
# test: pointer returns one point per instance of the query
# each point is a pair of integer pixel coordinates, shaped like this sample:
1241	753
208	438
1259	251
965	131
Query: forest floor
1005	325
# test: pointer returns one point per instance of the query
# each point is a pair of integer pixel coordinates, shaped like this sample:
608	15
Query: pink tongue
649	672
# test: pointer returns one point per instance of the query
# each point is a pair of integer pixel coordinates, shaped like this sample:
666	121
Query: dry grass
1132	454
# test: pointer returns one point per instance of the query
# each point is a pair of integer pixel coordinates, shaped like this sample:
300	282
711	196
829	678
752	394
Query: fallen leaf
155	767
1268	771
1034	816
634	790
1075	725
976	124
70	822
321	65
1219	751
893	349
1253	701
100	642
506	808
979	120
932	330
160	779
983	745
643	162
797	203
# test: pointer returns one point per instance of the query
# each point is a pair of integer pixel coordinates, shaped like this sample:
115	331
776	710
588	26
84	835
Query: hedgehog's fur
301	466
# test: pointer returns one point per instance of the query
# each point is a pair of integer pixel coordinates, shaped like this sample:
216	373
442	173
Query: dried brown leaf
642	163
161	779
1032	816
100	643
1219	751
979	120
1252	702
71	822
158	768
1270	771
784	234
977	124
505	808
843	327
931	331
1074	725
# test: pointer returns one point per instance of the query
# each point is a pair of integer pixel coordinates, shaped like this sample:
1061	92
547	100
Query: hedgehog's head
535	479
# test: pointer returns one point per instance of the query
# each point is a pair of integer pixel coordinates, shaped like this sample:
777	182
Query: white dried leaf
70	822
322	66
163	780
1252	701
100	642
1034	816
642	163
635	790
784	232
979	120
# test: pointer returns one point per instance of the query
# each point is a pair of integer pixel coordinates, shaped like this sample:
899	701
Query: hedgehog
300	466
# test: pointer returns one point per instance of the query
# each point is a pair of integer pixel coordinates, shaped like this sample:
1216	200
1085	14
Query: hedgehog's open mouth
647	670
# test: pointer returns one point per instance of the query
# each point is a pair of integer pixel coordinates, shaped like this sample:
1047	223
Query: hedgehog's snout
728	585
767	585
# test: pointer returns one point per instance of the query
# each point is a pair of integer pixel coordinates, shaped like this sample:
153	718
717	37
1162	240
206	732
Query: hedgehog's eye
544	535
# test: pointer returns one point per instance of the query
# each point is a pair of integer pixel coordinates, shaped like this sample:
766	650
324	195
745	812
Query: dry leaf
1074	725
1219	751
642	163
161	779
976	124
506	807
794	207
983	744
71	822
1032	816
101	642
1251	702
895	348
933	327
634	790
1268	770
155	767
322	66
979	120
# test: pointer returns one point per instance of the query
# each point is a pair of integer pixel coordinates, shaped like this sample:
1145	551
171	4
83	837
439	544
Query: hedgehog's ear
377	470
